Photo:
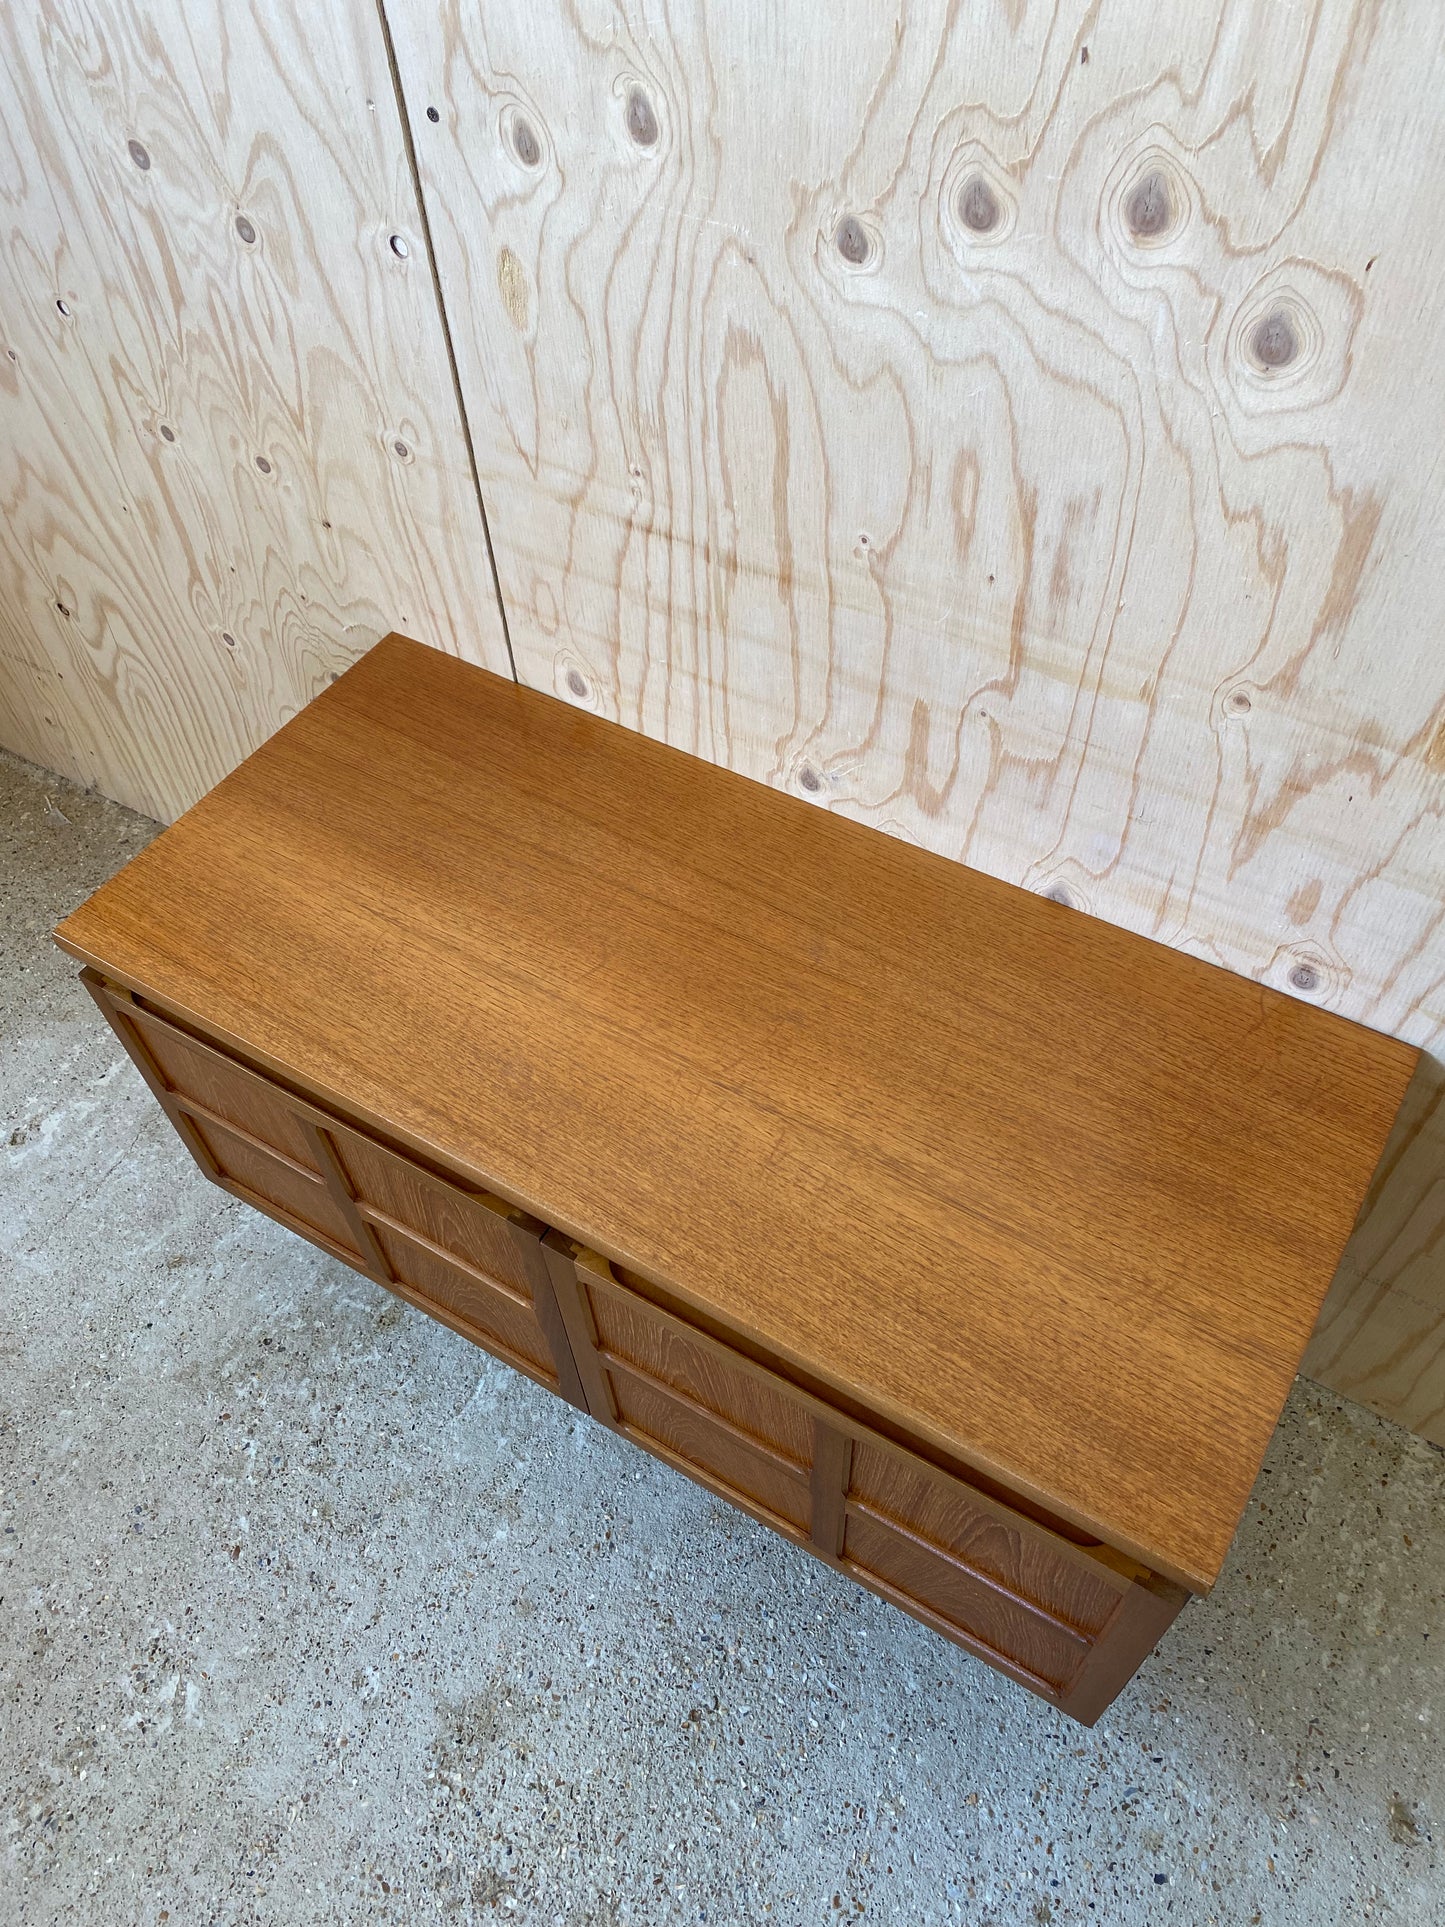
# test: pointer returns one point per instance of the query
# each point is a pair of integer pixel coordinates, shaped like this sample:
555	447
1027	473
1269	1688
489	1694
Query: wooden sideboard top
1057	1199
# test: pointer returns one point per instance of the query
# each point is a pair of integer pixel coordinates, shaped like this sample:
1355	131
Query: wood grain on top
1061	1201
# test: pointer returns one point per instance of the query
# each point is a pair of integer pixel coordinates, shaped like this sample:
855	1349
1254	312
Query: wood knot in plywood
978	206
1149	207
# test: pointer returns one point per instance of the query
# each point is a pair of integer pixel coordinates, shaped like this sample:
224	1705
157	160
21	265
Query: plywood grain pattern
1014	426
230	451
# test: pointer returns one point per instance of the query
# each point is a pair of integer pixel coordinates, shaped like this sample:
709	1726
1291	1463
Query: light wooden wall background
1012	424
230	450
1016	425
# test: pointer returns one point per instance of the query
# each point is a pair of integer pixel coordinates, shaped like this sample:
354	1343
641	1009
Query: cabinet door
679	1394
468	1258
1068	1620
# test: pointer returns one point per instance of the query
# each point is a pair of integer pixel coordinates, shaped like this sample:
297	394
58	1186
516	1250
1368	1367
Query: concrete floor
313	1614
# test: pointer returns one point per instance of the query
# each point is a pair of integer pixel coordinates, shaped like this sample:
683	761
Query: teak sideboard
968	1242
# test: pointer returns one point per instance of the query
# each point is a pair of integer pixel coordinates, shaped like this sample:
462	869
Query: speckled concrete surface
309	1613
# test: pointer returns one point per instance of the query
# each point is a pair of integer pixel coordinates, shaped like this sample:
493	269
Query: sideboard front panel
1069	1620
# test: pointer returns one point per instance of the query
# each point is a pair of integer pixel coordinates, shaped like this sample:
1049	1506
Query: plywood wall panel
1012	425
230	450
